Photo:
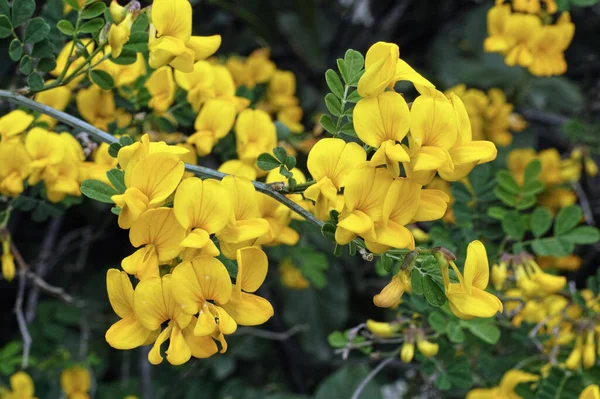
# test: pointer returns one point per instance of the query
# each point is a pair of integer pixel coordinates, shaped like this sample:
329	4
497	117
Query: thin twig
585	204
370	376
272	335
21	319
146	372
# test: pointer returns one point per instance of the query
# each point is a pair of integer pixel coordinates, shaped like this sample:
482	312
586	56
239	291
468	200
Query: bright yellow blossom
590	392
96	106
255	133
76	382
118	35
14	123
8	262
213	123
21	386
507	386
57	98
14	168
161	87
282	90
391	295
71	52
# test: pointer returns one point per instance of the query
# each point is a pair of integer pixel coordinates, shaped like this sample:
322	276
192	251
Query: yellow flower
256	69
171	40
363	204
245	224
160	234
506	389
202	208
8	262
499	275
427	349
255	133
281	90
76	382
574	360
57	98
96	106
139	150
330	162
149	183
291	117
71	52
291	276
127	333
590	392
21	386
382	122
468	298
568	263
278	216
383	329
383	68
408	352
14	123
14	168
274	176
238	168
589	350
213	123
203	288
244	307
391	295
498	40
117	12
124	75
155	304
118	35
521	30
161	87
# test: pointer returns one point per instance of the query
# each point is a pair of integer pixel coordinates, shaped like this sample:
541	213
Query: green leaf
343	68
312	264
433	292
460	374
533	188
584	3
36	31
73	3
353	97
437	321
65	27
532	171
26	66
138	42
140	24
514	225
442	382
327	123
343	383
92	26
22	10
127	57
484	329
333	104
93	10
5	27
290	162
496	212
35	82
267	162
125	141
328	231
582	235
283	132
348	129
334	83
507	182
416	280
454	332
4	8
540	221
98	191
43	49
566	219
102	79
507	198
280	154
554	246
113	149
15	50
355	62
117	179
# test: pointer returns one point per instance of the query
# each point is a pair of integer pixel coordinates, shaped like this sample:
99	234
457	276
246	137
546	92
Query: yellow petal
394	235
401	201
380	67
252	268
120	292
381	118
480	304
477	269
154	355
226	323
391	294
127	333
357	222
14	122
157	176
430	158
201	347
164	50
150	308
406	72
143	263
432	205
334	159
133	203
249	309
22	385
202	204
204	46
173	18
178	351
160	228
433	122
206	324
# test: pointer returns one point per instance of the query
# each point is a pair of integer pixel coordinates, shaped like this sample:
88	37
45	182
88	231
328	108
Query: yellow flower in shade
198	84
238	168
149	183
465	153
548	283
14	123
123	75
402	200
427	349
433	204
245	224
498	40
76	382
507	386
57	98
549	45
202	280
255	133
161	87
391	295
291	117
568	263
407	353
45	148
433	132
279	217
159	233
383	329
521	29
590	392
291	277
213	123
499	275
382	122
127	333
21	386
256	69
383	68
573	362
71	51
281	92
330	162
118	35
439	184
274	176
96	106
224	87
155	304
364	196
468	298
14	168
8	262
202	208
244	307
589	350
171	40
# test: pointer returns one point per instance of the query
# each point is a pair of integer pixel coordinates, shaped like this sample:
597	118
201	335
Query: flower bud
589	351
591	168
427	349
499	274
8	262
408	352
117	12
420	235
577	154
382	329
574	359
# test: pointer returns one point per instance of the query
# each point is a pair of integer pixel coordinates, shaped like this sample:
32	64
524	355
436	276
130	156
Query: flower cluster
527	36
491	117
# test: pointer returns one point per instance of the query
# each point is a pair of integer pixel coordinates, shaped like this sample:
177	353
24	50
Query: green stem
344	100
